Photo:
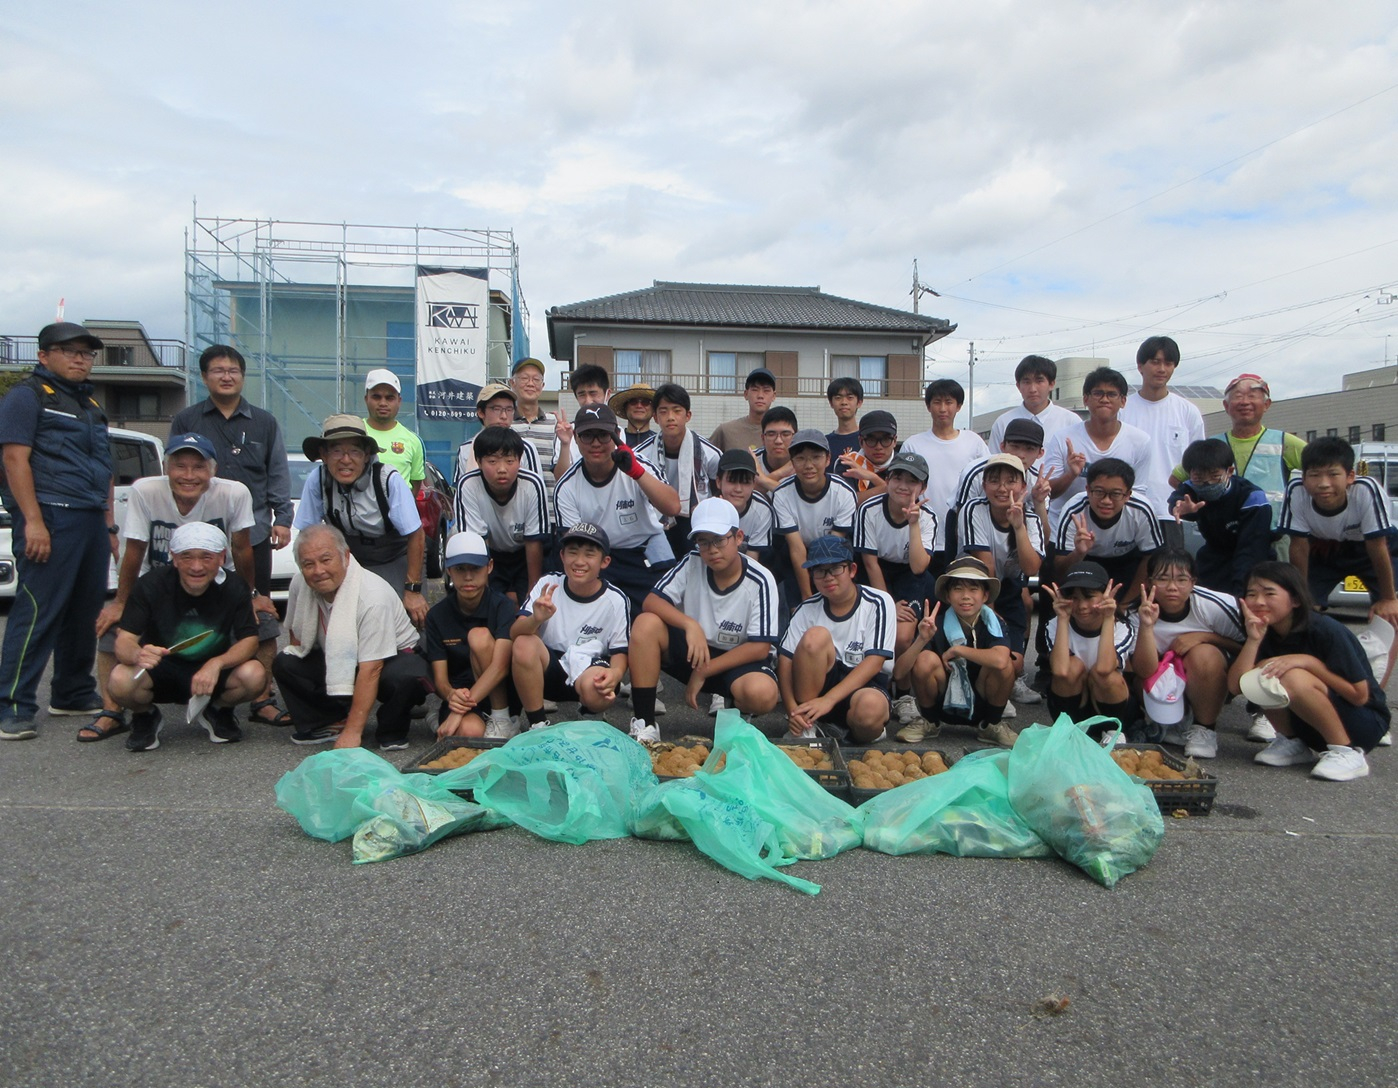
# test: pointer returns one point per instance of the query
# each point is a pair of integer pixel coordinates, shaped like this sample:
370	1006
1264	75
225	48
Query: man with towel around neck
352	643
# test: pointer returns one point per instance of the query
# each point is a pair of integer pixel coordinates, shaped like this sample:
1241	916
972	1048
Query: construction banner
452	321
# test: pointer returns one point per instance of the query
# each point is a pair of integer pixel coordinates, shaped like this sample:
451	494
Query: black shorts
510	574
172	677
1365	725
980	711
556	684
1332	561
840	711
677	665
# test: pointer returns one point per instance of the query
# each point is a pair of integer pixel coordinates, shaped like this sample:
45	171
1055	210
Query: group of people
857	579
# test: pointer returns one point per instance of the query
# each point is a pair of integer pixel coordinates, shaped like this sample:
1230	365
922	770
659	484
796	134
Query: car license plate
1355	585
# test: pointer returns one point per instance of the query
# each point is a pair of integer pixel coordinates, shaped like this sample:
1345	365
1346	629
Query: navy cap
593	534
760	376
595	417
196	442
62	332
739	460
1085	575
825	551
914	464
1024	430
809	437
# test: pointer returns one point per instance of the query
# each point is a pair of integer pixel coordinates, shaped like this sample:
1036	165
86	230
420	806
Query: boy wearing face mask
1233	515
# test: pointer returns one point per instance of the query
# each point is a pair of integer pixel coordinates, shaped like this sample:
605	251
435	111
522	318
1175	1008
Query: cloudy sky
1071	177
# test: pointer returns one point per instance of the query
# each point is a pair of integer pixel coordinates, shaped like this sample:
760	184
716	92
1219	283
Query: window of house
1378	432
640	366
1310	436
871	370
1353	435
135	404
1332	432
728	369
119	355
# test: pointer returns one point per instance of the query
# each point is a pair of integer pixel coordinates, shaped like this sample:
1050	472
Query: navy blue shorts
677	665
840	711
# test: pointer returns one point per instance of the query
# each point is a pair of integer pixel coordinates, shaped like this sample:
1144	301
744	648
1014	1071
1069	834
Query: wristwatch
413	587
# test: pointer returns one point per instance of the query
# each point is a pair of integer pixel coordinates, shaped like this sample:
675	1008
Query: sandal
93	732
282	718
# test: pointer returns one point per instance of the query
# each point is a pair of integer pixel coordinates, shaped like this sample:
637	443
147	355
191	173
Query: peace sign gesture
544	608
1062	603
1255	625
1076	461
1083	536
1107	603
1041	491
1148	611
1015	514
927	626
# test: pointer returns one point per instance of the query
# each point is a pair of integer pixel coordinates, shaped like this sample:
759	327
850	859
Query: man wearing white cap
187	631
713	620
398	446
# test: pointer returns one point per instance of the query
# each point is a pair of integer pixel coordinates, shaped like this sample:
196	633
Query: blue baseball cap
196	442
826	551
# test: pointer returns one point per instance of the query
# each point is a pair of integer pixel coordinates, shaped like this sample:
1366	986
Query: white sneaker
716	704
1386	741
1176	735
1201	743
1340	763
502	728
1262	730
809	731
905	709
540	725
1024	694
550	705
1285	752
660	708
642	732
1010	711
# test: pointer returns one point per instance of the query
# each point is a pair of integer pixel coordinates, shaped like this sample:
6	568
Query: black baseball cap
1024	430
63	332
878	422
737	461
595	417
1085	575
760	376
593	534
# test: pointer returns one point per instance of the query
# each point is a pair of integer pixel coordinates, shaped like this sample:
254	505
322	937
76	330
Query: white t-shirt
946	459
1084	647
466	459
832	511
1172	423
1052	419
1206	610
978	532
875	534
1134	530
1131	445
744	612
757	522
382	625
604	617
1365	513
507	525
152	515
868	628
617	504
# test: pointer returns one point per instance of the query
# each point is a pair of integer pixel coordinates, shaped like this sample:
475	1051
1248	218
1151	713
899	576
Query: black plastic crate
449	744
858	794
836	780
1193	795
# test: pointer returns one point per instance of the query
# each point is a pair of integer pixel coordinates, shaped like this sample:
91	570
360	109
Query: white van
134	455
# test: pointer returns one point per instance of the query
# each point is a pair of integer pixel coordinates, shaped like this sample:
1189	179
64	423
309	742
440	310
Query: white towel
341	642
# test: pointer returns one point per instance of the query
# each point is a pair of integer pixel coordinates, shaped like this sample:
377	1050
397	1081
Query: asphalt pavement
166	924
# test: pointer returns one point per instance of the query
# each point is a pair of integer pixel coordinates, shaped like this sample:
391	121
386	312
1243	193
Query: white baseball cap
382	377
1164	698
717	516
466	550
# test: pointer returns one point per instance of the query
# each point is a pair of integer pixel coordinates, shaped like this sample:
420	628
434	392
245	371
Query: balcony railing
24	351
727	385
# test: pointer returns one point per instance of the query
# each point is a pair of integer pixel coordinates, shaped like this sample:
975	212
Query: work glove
624	457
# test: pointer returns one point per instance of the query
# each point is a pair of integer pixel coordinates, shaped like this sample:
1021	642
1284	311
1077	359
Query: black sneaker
394	745
145	732
220	724
320	734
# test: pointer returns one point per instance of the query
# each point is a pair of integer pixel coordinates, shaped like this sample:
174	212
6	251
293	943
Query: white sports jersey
972	485
744	612
151	515
1206	610
1052	419
617	504
1131	445
522	516
703	473
832	511
875	533
946	458
978	532
867	629
1172	423
1135	529
1365	513
758	522
1084	647
605	617
466	459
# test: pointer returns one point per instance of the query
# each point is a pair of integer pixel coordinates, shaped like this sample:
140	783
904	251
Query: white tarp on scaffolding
452	319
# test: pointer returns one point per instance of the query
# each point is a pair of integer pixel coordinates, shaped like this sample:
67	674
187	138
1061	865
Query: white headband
198	535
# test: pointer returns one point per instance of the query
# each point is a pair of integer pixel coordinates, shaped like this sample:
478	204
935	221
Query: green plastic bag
964	811
728	830
1070	790
332	793
809	822
572	782
408	823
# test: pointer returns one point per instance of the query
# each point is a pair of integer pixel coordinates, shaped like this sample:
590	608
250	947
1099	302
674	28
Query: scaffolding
313	307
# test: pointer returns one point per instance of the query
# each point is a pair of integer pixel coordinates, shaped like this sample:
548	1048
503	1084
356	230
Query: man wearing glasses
58	491
1101	435
532	423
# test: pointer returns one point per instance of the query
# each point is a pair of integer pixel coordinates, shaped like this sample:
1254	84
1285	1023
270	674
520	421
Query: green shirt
401	449
1292	445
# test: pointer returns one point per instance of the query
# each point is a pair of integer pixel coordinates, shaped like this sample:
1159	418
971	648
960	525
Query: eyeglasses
713	543
224	372
596	437
877	439
347	453
783	436
1103	394
1172	579
532	378
1102	493
87	355
830	571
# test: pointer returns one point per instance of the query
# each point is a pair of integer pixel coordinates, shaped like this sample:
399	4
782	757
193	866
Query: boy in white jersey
507	506
811	504
624	494
689	461
1339	526
1110	526
947	452
495	407
712	621
1035	378
1171	421
1204	630
836	658
737	482
1024	439
773	451
894	537
1087	668
571	637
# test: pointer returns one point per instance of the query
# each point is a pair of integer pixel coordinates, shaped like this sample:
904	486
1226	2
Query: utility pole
971	384
919	288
